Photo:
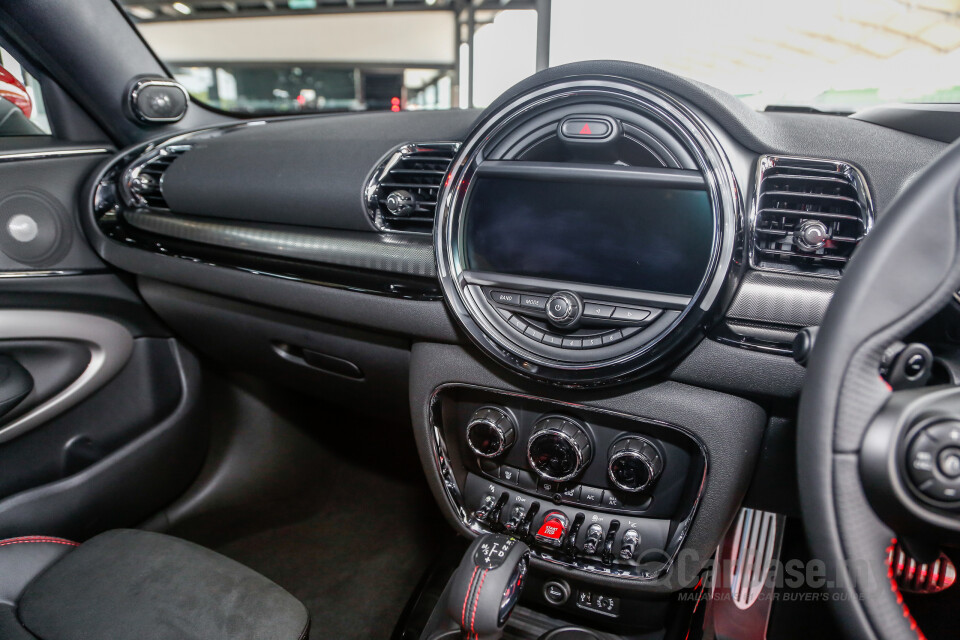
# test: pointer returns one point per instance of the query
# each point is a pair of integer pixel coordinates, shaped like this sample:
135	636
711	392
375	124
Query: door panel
111	431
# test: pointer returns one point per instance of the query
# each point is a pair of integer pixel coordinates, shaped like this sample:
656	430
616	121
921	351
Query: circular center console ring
548	350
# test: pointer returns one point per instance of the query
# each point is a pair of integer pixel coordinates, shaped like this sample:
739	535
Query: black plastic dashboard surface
302	171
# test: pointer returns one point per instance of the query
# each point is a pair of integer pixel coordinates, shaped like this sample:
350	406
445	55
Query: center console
586	232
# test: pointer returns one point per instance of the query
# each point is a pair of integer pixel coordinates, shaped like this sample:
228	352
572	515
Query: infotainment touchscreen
639	237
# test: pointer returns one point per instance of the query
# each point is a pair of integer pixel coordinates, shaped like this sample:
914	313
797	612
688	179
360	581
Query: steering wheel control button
511	298
933	461
491	432
556	592
948	461
944	433
634	464
564	309
551	531
596	310
587	128
559	448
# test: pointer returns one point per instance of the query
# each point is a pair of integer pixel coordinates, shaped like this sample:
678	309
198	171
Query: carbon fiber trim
781	299
407	255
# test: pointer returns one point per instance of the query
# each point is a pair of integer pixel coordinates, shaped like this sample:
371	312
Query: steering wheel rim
905	271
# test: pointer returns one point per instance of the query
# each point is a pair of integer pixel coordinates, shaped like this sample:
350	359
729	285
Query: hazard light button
587	128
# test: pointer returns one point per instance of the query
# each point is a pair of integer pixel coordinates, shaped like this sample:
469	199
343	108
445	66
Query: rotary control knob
490	432
635	464
564	309
559	448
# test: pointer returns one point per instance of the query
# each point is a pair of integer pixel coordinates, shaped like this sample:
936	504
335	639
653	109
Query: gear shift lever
486	586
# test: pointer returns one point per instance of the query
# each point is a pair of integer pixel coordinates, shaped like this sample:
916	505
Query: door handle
16	383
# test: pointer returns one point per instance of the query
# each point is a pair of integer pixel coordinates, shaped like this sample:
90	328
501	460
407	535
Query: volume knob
559	448
490	432
564	309
635	464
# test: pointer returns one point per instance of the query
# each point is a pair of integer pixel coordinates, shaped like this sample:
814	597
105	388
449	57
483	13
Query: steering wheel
855	433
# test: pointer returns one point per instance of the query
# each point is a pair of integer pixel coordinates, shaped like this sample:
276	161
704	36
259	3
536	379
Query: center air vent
141	181
402	193
809	215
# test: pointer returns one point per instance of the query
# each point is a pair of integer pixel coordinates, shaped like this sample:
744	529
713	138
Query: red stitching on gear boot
896	590
476	601
466	597
28	539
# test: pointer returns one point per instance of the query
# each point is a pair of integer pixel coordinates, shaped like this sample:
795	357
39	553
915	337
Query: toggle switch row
557	532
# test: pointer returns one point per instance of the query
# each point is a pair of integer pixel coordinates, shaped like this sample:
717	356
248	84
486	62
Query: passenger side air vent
141	181
403	190
809	215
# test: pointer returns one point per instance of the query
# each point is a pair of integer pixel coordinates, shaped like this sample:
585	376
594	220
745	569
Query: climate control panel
591	489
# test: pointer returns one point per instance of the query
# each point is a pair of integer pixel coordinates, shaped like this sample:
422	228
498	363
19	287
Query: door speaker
33	228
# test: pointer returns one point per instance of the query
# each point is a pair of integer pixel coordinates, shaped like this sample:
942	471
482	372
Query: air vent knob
490	432
635	464
401	203
143	183
559	448
811	235
564	309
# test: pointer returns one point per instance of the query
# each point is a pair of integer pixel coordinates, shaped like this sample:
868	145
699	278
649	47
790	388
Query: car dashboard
585	297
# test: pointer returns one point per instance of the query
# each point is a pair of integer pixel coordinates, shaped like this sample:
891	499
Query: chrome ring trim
556	432
142	84
721	185
764	163
491	423
51	153
454	497
635	454
45	273
386	164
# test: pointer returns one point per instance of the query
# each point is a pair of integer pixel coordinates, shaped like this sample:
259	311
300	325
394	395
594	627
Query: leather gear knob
487	585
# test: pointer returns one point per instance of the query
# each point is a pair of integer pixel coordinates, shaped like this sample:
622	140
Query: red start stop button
553	527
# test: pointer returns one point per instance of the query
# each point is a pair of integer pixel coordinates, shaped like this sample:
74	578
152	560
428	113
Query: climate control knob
490	432
634	464
559	448
564	309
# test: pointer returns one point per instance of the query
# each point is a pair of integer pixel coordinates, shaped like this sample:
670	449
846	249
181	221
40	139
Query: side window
21	103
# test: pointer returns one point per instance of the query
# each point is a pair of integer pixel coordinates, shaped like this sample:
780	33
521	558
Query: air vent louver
810	215
402	194
142	179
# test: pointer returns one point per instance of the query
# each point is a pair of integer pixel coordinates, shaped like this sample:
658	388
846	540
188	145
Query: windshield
275	56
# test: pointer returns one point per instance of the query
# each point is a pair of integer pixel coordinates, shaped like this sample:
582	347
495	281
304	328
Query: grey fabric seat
127	584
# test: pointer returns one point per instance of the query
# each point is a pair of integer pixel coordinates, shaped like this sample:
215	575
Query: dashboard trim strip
376	252
51	153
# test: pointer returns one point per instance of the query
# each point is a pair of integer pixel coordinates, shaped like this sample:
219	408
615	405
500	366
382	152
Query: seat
130	585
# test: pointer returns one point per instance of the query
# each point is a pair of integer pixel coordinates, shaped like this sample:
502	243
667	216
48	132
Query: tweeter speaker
33	228
158	100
